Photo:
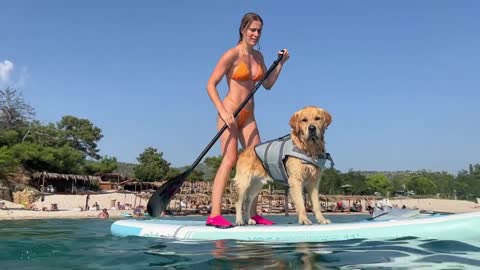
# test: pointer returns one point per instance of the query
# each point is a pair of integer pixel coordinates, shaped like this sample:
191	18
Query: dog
307	139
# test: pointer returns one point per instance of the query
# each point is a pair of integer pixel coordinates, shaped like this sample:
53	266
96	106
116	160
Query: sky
400	78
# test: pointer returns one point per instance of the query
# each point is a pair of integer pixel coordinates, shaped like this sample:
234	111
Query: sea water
88	244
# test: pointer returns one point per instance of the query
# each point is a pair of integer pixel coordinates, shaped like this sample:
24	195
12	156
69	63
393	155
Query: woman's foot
219	222
262	221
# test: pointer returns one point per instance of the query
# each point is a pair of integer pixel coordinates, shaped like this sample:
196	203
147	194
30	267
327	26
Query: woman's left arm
272	78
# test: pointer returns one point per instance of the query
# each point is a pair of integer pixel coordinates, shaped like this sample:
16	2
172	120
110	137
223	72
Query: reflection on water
355	254
88	244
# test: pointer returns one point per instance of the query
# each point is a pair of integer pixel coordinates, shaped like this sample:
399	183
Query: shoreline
24	214
70	207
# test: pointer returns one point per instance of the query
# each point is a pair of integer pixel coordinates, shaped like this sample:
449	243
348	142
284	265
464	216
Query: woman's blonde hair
246	20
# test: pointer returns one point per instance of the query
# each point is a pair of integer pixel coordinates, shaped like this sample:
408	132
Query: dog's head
308	128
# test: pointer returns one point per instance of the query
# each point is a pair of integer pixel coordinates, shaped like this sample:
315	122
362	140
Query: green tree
105	165
399	181
80	134
195	175
330	182
422	185
213	163
172	172
356	182
35	157
379	183
14	111
468	182
444	182
7	162
152	166
8	137
67	160
46	135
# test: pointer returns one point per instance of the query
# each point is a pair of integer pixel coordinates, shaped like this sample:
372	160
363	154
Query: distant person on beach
138	212
340	206
96	206
86	202
104	214
242	66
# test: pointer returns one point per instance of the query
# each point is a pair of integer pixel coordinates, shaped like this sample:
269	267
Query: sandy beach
69	206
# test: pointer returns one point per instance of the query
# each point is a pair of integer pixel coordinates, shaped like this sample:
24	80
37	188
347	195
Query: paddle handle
237	111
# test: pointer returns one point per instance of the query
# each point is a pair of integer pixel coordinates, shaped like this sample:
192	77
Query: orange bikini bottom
243	117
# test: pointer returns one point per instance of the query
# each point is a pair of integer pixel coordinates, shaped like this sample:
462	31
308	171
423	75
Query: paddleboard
445	227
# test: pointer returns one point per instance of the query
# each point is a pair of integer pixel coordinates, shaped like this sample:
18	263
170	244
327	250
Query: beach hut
64	183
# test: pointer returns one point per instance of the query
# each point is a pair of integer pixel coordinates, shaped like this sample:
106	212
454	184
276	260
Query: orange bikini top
242	73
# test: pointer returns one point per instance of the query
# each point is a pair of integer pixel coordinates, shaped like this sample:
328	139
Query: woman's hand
286	55
227	117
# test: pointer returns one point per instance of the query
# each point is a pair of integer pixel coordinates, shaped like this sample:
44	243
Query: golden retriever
308	128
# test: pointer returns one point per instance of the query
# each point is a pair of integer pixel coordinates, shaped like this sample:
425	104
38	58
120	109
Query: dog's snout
312	128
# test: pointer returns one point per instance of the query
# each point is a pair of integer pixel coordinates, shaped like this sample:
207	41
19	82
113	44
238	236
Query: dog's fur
308	128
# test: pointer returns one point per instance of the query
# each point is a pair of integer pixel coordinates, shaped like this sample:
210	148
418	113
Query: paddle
164	194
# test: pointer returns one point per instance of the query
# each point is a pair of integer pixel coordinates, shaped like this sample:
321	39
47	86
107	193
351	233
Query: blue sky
400	78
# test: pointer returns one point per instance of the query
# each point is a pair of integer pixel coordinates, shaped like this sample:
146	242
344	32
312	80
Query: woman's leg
229	146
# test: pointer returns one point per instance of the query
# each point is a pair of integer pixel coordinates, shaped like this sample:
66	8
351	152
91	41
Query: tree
172	172
330	182
14	111
357	182
195	175
40	158
399	182
80	134
7	162
8	137
152	166
468	182
422	185
105	165
379	183
46	135
213	163
444	182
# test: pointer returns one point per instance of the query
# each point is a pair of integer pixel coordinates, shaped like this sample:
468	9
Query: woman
242	66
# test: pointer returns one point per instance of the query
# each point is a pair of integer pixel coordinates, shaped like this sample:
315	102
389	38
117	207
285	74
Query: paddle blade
164	194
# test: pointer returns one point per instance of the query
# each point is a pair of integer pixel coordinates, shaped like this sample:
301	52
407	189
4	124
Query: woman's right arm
220	70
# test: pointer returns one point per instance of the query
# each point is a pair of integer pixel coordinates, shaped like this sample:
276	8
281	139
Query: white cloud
8	78
6	68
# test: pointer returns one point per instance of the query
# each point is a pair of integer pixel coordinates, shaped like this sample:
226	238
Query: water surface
88	244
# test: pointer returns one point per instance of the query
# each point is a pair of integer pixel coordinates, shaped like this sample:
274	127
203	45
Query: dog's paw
251	221
324	221
239	222
304	221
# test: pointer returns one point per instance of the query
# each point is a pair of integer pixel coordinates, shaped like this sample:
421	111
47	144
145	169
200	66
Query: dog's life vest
274	152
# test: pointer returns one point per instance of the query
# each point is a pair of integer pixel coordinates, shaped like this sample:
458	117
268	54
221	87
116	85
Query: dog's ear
328	118
294	123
